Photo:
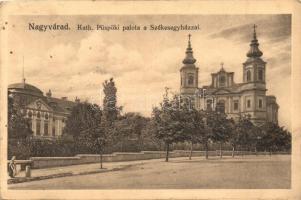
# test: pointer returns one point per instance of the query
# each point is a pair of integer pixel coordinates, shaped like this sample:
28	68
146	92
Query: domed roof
26	87
189	60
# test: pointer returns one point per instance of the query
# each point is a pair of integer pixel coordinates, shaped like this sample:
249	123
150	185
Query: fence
45	162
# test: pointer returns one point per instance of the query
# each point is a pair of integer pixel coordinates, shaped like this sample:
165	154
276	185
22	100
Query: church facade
47	115
248	98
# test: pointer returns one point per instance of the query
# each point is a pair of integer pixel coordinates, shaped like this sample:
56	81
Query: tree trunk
206	149
220	151
167	152
233	151
270	152
142	145
255	150
101	159
190	154
241	149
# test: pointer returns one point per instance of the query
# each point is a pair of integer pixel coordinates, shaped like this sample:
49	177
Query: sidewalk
73	170
83	169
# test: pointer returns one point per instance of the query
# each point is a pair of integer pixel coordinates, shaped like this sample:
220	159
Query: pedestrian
12	167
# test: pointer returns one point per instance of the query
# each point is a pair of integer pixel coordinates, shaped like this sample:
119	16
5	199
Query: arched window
260	74
235	102
222	80
248	75
260	103
46	128
248	103
38	127
190	80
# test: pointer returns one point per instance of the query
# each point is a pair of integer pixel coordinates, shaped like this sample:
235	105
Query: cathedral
224	95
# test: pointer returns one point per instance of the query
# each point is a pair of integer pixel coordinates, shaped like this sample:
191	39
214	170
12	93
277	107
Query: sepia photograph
147	102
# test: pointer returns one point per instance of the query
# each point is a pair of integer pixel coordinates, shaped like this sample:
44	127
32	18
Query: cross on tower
189	35
222	64
254	26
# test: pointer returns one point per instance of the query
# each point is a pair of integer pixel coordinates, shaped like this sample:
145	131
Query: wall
45	162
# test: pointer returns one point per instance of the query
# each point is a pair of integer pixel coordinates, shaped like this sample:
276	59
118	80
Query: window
190	79
248	103
29	114
260	103
181	81
30	124
260	74
38	115
222	80
45	128
248	75
38	127
53	130
236	105
209	104
220	107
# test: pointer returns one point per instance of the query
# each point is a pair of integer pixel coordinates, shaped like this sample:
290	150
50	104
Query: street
248	172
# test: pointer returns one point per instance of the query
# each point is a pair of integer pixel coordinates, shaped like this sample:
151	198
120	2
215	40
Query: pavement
73	170
248	172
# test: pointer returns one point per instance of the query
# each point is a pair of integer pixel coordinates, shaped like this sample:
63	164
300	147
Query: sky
75	63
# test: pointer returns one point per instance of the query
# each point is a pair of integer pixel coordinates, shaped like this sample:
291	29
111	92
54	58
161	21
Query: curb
24	179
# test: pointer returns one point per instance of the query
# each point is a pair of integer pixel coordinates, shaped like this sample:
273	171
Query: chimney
48	94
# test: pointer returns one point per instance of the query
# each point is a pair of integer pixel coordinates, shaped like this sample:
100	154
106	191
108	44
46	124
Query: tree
129	127
233	139
18	125
18	129
275	138
110	110
102	133
220	128
84	116
244	132
167	119
194	127
82	123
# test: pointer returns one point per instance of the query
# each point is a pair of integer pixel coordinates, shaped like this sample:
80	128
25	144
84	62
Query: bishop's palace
48	114
224	95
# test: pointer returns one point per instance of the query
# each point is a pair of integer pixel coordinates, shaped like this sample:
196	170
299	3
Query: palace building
224	95
47	114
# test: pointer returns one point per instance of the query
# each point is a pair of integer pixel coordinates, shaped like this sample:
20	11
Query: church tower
254	87
254	67
189	73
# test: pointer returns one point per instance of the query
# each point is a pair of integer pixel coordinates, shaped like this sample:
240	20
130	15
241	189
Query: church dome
254	51
189	60
25	88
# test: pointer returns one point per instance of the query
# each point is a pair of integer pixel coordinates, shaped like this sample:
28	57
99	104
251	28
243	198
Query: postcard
150	99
